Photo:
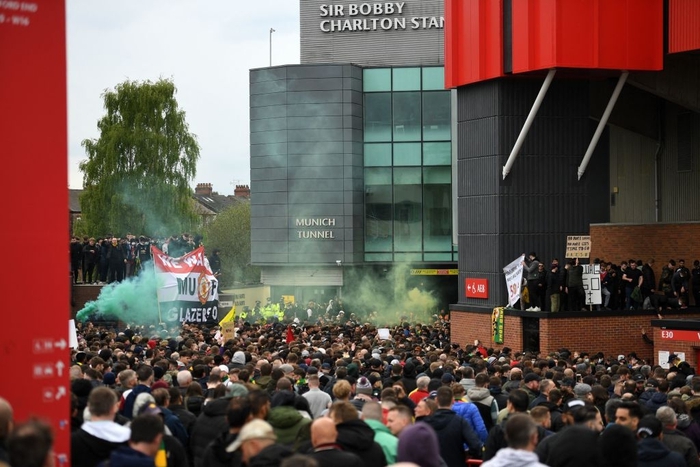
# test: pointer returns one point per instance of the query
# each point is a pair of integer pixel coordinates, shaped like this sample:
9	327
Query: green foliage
137	174
230	234
79	227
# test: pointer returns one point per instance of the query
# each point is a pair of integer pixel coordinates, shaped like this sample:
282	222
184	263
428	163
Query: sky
206	48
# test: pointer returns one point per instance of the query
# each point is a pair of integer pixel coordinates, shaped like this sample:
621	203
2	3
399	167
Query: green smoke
385	299
133	301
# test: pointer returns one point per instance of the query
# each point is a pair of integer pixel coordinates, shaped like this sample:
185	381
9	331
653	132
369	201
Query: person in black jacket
116	260
354	435
210	424
91	258
217	453
453	431
76	256
326	450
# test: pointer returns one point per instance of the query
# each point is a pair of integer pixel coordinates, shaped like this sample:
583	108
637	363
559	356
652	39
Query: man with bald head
326	451
6	425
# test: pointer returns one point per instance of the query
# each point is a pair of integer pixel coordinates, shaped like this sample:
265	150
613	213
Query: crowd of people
112	259
630	285
337	395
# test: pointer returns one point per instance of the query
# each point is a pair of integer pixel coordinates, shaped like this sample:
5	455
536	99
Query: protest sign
514	279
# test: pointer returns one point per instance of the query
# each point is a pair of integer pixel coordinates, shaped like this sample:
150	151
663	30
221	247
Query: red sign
34	136
680	335
476	288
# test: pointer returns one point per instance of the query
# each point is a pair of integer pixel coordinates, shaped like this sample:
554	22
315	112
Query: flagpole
271	31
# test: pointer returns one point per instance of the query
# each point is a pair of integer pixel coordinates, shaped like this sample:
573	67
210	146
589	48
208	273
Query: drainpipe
528	123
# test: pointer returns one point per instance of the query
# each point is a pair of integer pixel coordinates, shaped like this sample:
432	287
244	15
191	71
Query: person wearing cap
531	386
652	398
363	393
675	440
453	431
651	451
258	446
583	392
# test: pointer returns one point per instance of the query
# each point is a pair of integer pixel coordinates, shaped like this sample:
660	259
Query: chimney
203	189
242	191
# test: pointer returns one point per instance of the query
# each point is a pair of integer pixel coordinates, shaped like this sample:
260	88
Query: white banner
514	279
591	284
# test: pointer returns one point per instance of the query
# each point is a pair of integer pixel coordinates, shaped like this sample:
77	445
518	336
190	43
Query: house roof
216	202
74	200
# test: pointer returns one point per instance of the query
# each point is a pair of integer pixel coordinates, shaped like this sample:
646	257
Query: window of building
437	116
406	79
433	78
437	153
408	220
378	155
407	154
378	117
376	79
378	206
437	212
407	116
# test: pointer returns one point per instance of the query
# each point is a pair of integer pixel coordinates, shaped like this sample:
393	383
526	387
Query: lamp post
271	31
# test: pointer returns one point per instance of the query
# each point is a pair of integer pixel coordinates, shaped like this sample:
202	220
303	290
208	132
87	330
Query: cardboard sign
384	334
228	330
591	284
578	246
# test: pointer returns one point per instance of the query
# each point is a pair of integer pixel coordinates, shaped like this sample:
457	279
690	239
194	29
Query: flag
161	459
229	316
290	334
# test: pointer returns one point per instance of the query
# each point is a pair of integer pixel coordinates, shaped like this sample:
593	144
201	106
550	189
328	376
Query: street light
271	31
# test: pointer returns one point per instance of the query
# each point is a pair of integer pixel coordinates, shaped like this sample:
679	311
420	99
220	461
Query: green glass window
378	155
407	153
407	116
437	212
407	257
406	79
437	153
436	116
383	257
378	202
408	235
433	79
376	79
378	117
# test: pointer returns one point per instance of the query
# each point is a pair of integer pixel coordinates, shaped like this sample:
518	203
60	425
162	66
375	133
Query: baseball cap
649	427
254	429
572	405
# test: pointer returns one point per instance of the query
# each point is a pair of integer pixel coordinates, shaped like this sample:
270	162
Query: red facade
544	34
683	25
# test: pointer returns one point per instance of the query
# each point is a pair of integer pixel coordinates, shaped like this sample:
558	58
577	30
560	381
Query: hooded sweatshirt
95	441
210	424
215	454
652	453
486	403
127	457
290	426
453	432
383	437
357	437
238	360
508	457
271	456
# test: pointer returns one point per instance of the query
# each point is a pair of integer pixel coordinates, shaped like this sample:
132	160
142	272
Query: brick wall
613	334
662	242
81	294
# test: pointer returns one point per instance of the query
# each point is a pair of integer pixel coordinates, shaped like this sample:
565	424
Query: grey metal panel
318	209
269	186
679	190
268	124
479	176
317	122
263	100
632	174
314	97
270	210
269	247
482	139
373	48
305	71
300	173
267	87
279	136
303	148
268	162
328	184
316	160
268	112
268	222
313	257
317	245
268	258
478	214
267	74
314	110
315	84
269	235
271	198
301	276
326	197
267	174
314	135
268	149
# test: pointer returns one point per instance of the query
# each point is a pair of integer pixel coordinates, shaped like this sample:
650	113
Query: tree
230	234
137	174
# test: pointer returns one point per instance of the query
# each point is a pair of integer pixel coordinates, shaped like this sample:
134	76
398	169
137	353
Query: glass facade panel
437	153
407	257
407	210
376	79
378	203
437	256
383	257
378	155
407	116
433	79
406	79
437	213
407	153
378	117
436	116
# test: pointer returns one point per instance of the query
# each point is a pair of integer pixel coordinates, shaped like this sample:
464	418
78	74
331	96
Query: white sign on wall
591	284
